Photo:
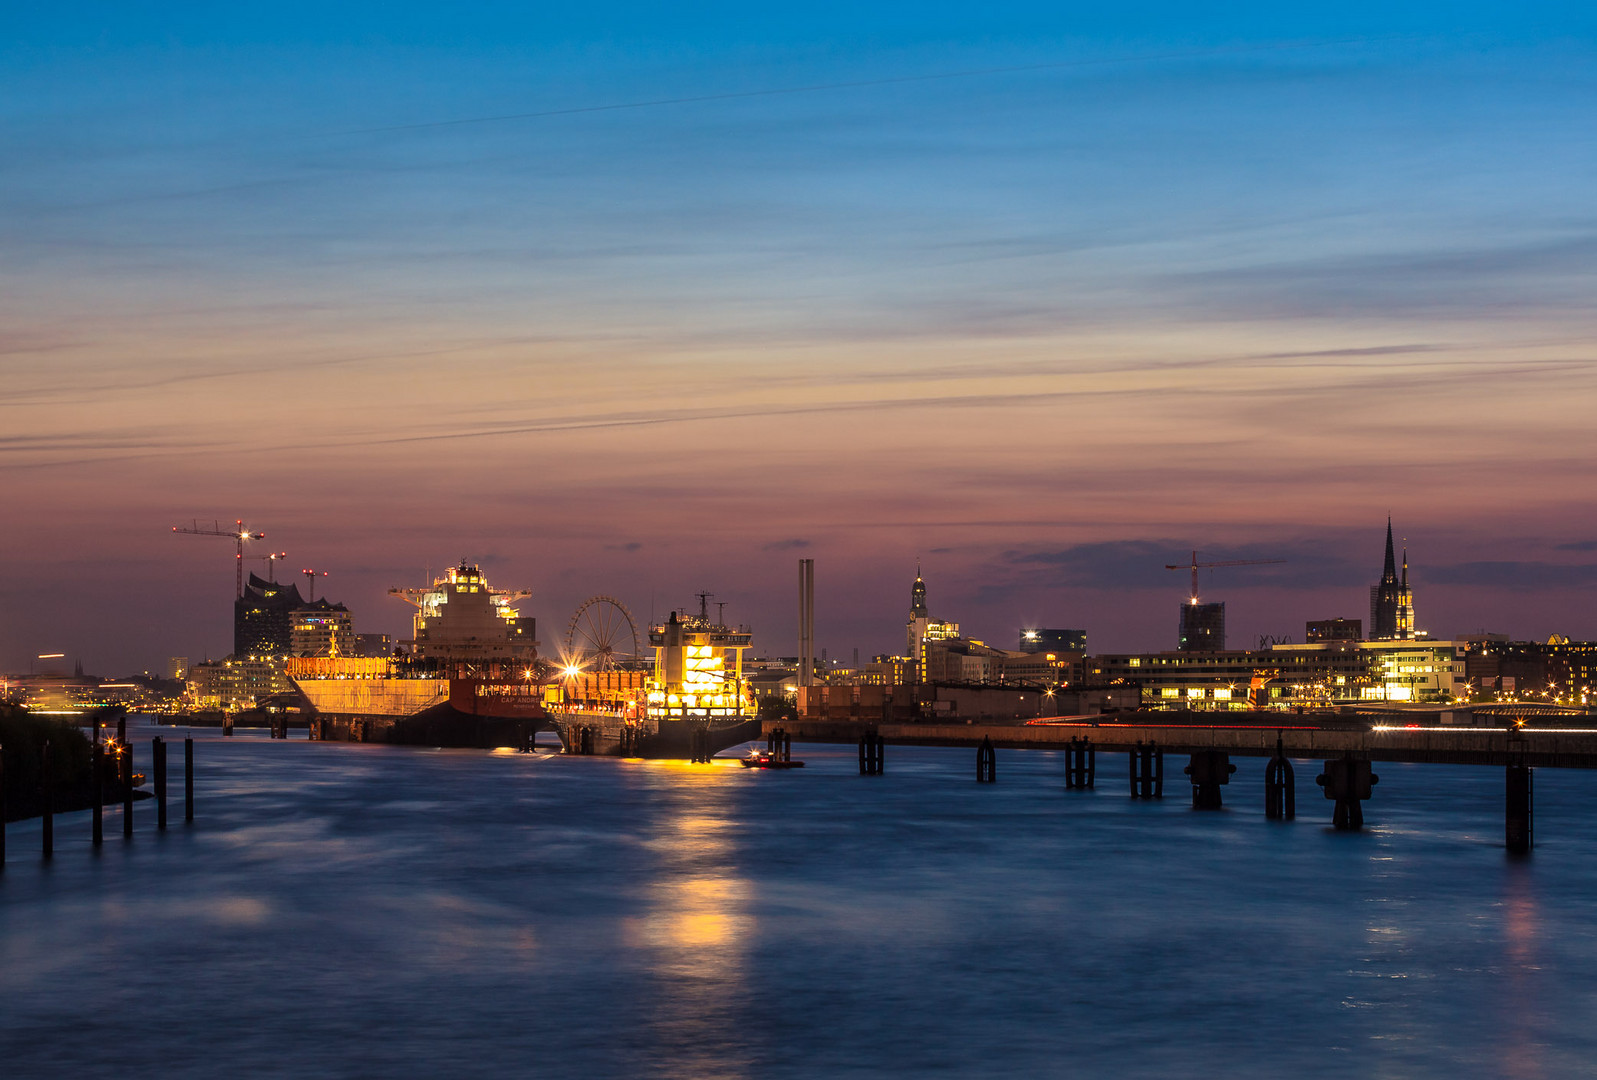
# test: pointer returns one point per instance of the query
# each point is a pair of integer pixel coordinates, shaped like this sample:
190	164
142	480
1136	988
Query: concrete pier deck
1555	748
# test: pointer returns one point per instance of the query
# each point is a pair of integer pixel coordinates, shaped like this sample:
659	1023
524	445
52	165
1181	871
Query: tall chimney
806	622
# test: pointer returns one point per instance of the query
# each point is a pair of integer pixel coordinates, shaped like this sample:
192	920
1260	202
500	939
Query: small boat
764	759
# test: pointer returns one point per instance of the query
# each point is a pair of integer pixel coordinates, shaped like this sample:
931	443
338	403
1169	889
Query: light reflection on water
695	936
353	910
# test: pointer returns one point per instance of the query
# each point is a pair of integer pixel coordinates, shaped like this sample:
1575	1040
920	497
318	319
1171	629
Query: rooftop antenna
704	605
720	612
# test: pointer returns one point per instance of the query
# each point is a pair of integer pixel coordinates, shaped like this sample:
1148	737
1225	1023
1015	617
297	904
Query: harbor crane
239	535
1195	566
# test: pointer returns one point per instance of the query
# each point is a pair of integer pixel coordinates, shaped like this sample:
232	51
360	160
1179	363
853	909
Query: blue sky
981	285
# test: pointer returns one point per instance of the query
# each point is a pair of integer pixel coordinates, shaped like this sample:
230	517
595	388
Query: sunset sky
615	300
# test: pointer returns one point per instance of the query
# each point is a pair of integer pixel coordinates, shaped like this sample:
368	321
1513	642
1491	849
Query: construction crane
239	534
271	563
310	576
1195	566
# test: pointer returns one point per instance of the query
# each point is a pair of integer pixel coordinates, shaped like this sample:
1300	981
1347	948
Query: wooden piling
158	763
47	778
1147	771
127	790
97	785
188	779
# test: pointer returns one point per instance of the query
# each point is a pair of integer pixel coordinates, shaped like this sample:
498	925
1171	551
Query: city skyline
887	624
624	303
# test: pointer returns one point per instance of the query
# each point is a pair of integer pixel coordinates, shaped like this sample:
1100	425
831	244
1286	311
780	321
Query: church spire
1390	572
917	596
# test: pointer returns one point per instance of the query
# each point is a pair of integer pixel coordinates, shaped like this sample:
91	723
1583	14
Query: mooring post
158	756
986	762
1147	771
870	753
47	777
1348	781
1280	800
227	724
127	789
97	788
188	779
1077	770
1209	769
1519	824
2	809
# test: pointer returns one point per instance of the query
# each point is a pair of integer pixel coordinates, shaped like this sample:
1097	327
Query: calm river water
342	910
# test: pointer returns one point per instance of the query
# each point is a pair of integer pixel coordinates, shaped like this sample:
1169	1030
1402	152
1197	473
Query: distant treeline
22	739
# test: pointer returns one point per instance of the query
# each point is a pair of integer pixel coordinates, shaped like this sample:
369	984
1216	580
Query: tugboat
693	704
768	759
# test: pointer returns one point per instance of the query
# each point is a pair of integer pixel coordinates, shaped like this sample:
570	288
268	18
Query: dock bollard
188	779
158	760
1348	780
47	778
1209	769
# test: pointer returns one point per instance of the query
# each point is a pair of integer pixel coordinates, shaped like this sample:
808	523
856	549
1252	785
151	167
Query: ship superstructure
460	618
693	703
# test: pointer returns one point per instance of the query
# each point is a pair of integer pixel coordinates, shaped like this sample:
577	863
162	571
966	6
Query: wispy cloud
1516	575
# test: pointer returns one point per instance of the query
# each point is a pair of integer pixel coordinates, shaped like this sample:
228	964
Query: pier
1347	778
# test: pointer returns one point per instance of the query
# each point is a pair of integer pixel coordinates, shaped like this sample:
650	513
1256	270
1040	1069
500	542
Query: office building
263	618
1039	640
1202	627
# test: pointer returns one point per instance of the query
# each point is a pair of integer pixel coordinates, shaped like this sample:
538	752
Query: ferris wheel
602	635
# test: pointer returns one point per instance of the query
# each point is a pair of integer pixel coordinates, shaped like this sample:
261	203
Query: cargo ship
470	679
692	704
